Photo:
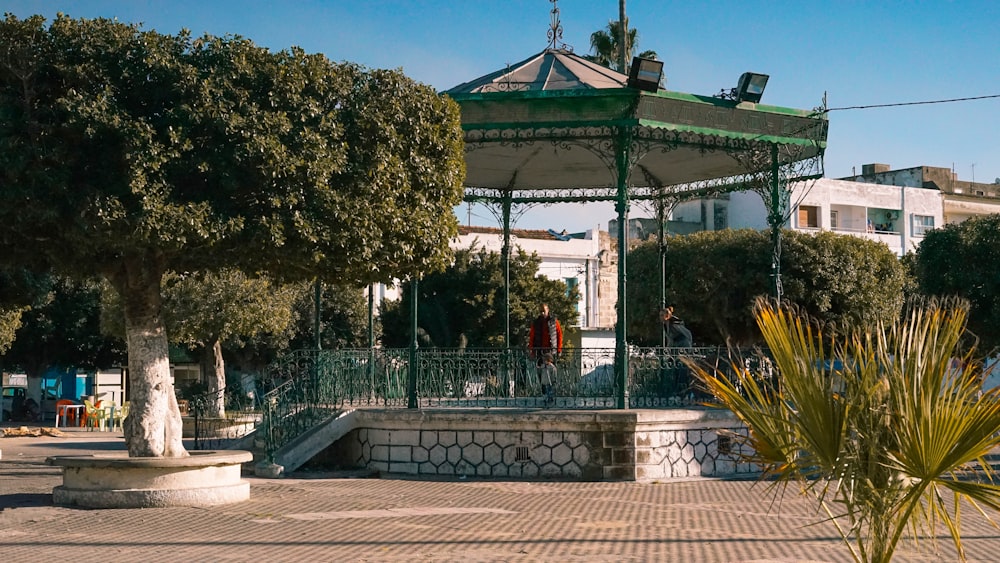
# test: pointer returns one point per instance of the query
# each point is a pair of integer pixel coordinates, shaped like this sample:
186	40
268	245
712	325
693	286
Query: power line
915	103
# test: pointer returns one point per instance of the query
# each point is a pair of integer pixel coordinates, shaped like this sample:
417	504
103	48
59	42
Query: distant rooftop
930	177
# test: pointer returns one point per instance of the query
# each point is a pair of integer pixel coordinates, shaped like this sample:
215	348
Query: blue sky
858	53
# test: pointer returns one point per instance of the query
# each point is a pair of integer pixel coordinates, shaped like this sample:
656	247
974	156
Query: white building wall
851	205
958	209
747	211
574	261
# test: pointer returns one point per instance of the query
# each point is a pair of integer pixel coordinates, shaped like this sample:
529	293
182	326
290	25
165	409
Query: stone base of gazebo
114	480
633	445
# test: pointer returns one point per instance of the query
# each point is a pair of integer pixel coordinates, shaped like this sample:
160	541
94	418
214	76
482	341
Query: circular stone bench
114	480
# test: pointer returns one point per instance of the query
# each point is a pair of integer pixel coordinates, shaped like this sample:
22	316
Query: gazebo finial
555	30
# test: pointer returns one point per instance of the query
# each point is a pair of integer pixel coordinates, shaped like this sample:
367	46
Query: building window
808	217
834	219
570	284
922	224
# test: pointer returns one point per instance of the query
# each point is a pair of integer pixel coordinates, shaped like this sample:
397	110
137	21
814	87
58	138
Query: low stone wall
639	445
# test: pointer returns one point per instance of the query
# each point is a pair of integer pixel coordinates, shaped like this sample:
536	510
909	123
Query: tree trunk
153	427
214	368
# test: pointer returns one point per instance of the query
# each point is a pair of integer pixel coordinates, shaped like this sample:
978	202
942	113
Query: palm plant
882	427
605	45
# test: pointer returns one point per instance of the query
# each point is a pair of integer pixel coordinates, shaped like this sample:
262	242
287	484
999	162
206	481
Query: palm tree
605	46
879	427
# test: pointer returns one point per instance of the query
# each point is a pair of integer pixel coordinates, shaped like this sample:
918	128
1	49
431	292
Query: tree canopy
343	318
63	329
464	304
123	145
19	290
713	278
128	153
960	259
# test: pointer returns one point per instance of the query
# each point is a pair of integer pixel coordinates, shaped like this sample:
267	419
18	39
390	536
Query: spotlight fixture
751	87
645	74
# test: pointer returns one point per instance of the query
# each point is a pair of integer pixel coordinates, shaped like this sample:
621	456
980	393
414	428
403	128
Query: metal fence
308	386
214	430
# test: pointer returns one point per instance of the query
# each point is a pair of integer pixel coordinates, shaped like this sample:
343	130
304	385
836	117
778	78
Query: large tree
713	278
128	153
960	259
464	304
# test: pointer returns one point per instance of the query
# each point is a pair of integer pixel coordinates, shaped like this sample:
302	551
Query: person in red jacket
545	337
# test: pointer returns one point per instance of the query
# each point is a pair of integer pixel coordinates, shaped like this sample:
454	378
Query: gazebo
556	127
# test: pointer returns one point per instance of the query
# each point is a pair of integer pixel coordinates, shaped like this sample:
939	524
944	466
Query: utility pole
623	43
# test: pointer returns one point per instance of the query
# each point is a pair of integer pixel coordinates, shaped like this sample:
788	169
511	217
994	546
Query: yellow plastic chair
95	414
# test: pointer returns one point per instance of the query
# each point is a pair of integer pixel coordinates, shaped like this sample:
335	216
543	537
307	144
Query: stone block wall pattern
639	445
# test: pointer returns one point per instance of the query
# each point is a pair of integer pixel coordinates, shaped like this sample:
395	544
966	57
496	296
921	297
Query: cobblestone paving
326	517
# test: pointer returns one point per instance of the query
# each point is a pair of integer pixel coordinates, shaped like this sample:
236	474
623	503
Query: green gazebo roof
551	122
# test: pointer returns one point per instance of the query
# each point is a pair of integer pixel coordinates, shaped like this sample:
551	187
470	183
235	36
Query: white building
896	207
585	261
960	199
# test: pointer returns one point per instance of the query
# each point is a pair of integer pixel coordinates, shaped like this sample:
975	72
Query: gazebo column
411	373
505	259
371	334
660	234
621	206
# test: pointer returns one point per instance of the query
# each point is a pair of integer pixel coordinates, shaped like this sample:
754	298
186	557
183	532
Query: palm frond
887	423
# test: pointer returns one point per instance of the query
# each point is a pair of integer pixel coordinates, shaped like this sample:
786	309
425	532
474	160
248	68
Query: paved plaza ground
352	517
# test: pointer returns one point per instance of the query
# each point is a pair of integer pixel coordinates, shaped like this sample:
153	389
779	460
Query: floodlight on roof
645	74
751	87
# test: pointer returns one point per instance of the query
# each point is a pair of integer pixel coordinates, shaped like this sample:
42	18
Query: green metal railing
308	386
240	415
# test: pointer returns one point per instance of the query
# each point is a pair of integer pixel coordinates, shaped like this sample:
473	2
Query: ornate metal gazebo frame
627	145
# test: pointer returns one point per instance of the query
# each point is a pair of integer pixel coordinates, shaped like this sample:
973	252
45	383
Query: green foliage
960	259
464	305
227	305
63	329
255	318
20	289
196	154
879	426
10	321
343	318
713	278
845	281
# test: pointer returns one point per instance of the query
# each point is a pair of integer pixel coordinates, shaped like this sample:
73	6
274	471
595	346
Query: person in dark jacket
677	335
